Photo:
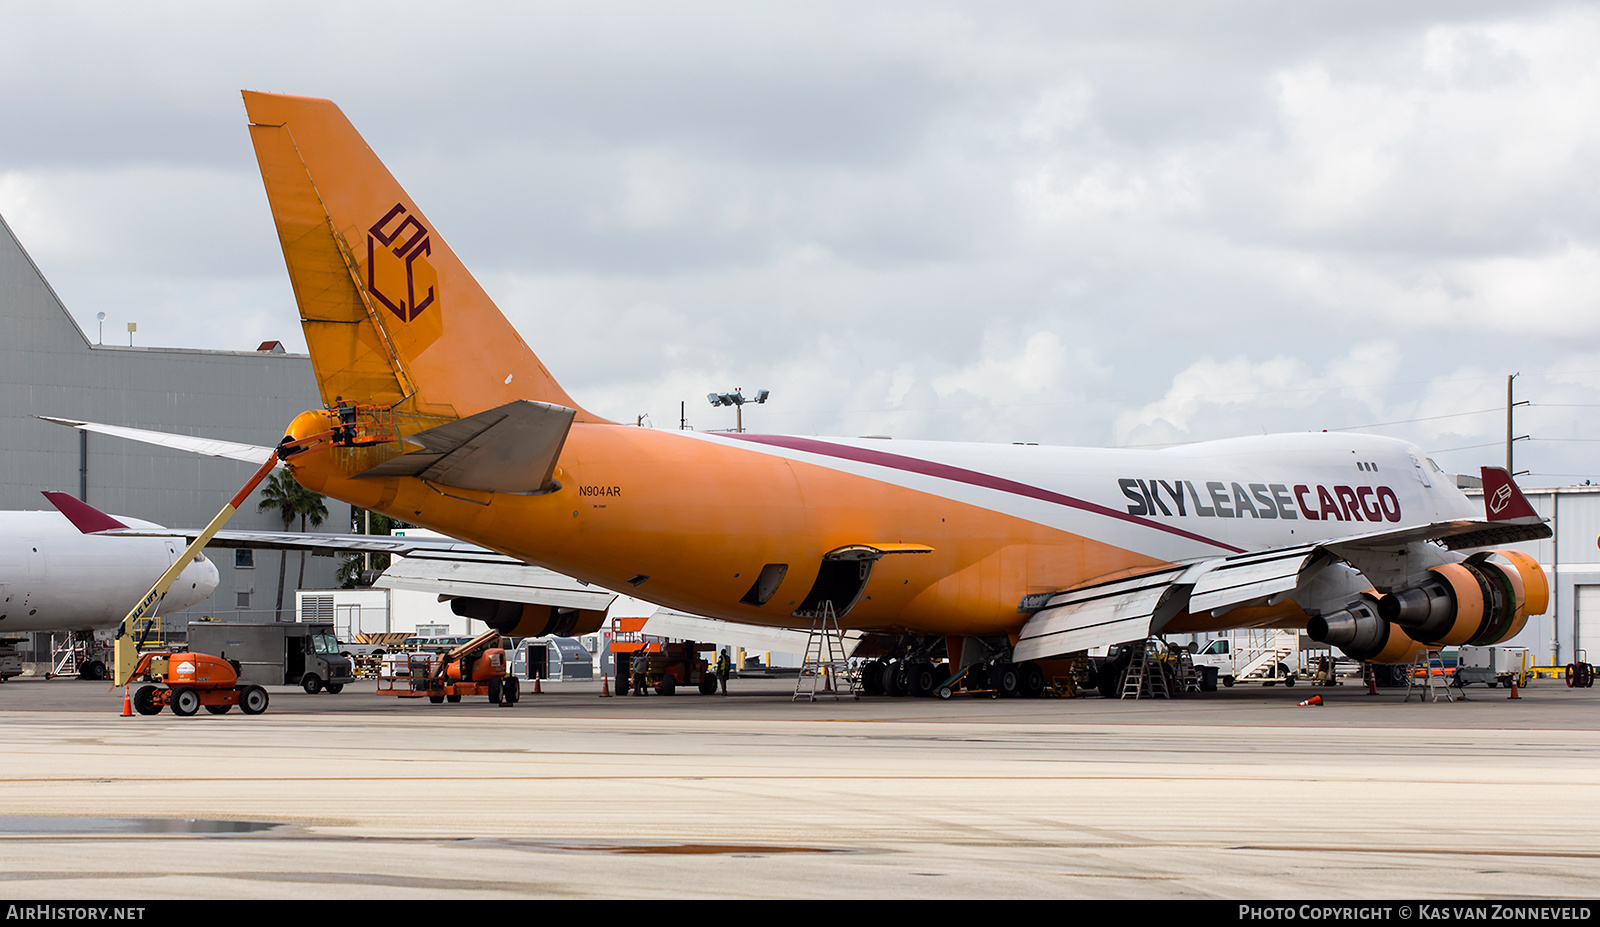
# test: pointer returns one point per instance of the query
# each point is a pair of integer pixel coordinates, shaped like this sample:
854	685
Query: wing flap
1236	580
1097	615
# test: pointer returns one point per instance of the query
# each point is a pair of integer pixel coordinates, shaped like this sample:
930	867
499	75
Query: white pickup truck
1266	665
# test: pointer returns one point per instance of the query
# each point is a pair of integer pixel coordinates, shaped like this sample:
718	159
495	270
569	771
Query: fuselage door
843	574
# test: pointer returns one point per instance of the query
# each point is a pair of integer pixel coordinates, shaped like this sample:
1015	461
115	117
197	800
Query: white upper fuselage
1197	500
55	578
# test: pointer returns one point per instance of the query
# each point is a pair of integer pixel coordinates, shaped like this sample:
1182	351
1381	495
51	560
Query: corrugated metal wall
48	367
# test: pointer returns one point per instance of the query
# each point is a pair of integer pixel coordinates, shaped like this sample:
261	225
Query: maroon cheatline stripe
970	477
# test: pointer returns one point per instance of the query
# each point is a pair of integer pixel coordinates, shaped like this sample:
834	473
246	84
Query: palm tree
284	493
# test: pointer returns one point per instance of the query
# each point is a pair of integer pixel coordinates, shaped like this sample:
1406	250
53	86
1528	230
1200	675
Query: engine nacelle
1477	601
1358	630
523	619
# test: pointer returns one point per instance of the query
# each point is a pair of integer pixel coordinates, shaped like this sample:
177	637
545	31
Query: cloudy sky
1124	224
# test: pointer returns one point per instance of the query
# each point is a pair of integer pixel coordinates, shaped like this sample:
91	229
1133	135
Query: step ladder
825	663
1144	676
1188	676
1432	686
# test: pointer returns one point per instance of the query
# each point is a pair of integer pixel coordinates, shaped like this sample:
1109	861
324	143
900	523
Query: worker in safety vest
724	666
641	669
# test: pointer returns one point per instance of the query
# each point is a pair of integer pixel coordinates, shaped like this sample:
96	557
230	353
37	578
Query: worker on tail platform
724	666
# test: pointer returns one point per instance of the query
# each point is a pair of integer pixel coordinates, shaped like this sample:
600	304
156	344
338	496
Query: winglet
84	517
1502	500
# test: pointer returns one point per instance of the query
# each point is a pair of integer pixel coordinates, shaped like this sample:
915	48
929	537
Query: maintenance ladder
825	660
1432	686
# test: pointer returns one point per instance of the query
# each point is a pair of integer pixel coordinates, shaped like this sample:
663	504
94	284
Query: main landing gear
917	672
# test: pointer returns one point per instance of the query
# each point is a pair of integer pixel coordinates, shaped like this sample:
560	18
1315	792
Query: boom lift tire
253	700
622	683
512	690
436	699
494	693
708	685
452	698
185	702
219	709
144	700
668	686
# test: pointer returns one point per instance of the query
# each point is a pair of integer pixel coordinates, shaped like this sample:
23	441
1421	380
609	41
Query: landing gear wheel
93	670
334	688
894	682
1031	680
669	685
872	677
1007	680
219	709
184	702
1109	680
144	701
312	683
253	700
921	680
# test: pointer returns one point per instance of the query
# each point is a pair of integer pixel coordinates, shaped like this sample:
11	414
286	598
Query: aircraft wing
1134	607
463	574
208	447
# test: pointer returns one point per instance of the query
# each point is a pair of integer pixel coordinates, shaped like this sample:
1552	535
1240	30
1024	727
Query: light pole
737	399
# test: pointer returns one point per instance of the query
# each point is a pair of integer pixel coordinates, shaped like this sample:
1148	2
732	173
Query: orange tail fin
391	315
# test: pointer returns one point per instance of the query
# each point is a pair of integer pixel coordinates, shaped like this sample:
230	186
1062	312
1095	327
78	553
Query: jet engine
1476	601
523	619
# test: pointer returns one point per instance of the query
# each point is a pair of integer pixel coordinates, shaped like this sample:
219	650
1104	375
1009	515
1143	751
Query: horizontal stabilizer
208	447
510	448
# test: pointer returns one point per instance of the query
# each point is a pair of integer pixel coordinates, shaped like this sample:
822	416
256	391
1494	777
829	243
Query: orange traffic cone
1372	680
536	689
605	686
1313	700
127	703
1514	688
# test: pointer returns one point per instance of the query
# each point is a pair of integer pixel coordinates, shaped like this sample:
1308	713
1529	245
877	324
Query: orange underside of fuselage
700	519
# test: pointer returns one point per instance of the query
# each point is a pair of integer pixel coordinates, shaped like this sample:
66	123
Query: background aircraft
57	574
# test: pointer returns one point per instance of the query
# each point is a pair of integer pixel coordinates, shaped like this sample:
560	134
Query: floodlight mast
737	399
